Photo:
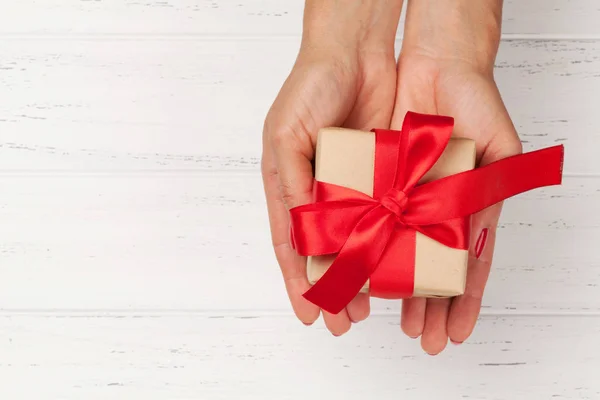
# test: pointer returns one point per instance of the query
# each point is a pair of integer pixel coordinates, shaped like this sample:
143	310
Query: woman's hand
345	75
446	67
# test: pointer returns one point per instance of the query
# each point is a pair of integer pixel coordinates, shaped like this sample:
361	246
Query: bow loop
423	141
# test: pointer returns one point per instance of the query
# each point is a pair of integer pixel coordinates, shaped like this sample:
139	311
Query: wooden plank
181	104
250	17
225	357
130	104
201	242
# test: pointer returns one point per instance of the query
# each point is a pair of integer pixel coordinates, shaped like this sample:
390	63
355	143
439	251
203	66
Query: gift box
346	157
392	209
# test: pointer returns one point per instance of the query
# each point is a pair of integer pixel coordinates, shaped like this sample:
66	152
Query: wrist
341	25
463	32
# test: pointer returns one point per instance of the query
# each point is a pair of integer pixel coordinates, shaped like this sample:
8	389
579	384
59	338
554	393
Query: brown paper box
346	157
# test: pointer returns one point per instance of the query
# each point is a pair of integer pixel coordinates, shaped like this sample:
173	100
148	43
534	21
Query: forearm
368	25
464	30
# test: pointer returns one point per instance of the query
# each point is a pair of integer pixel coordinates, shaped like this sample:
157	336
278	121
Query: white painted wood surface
250	17
189	356
129	150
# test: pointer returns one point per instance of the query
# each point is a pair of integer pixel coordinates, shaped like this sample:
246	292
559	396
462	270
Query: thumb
465	309
504	143
306	103
292	151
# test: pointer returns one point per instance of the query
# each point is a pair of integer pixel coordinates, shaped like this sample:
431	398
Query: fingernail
455	343
307	323
336	334
480	244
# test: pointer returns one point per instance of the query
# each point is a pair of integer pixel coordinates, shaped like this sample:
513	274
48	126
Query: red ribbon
375	236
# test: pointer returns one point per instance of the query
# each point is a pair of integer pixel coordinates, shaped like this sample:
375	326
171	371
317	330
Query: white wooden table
135	260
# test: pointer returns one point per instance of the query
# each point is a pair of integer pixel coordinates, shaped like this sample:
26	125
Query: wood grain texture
201	241
181	104
222	357
132	104
250	17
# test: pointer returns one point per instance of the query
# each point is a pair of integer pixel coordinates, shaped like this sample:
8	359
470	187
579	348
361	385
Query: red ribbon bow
375	236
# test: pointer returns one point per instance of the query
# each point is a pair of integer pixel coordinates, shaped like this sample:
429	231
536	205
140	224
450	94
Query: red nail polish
480	244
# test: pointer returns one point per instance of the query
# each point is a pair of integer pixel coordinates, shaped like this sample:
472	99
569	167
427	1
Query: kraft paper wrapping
346	157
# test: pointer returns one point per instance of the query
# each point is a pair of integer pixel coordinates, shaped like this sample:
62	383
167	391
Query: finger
465	309
338	324
359	308
293	267
413	316
435	334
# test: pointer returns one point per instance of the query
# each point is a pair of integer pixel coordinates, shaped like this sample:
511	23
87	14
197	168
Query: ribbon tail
395	276
453	233
472	191
355	263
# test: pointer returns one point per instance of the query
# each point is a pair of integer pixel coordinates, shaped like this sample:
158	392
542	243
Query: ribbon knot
395	201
